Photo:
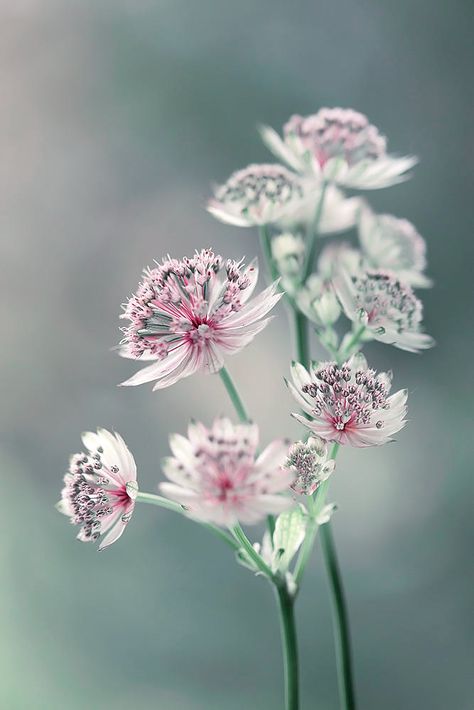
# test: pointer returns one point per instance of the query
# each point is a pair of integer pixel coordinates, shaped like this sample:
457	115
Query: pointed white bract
340	146
387	308
217	475
309	463
349	403
100	488
188	314
395	245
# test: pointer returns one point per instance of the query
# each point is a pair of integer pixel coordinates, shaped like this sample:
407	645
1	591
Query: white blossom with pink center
338	145
100	488
395	245
348	403
386	306
188	314
217	475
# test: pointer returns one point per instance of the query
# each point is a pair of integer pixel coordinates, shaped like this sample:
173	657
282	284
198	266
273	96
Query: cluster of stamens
386	301
172	302
349	398
88	499
336	132
307	460
260	184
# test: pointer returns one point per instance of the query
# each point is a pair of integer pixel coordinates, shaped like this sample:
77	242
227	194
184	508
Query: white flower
338	145
387	308
257	195
393	244
348	403
308	462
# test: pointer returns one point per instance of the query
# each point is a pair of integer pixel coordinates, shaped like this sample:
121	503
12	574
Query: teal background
116	118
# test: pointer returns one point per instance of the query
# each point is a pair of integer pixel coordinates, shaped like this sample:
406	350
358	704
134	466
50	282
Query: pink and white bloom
217	475
309	463
257	195
386	306
338	145
100	488
188	314
348	403
395	245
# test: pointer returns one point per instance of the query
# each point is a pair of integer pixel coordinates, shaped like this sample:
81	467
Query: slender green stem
313	236
286	606
353	341
301	337
242	538
340	620
153	499
266	246
234	395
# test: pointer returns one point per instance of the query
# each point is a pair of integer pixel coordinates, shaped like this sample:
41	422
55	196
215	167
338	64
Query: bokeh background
116	117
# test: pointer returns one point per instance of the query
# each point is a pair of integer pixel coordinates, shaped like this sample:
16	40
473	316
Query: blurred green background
116	118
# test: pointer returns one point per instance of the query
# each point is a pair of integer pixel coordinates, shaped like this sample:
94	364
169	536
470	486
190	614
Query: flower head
187	314
393	244
339	145
288	251
348	403
309	464
258	194
386	306
216	474
100	488
318	301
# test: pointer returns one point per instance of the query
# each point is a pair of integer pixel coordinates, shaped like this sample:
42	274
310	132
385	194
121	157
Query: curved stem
266	245
234	395
289	644
340	620
242	538
153	499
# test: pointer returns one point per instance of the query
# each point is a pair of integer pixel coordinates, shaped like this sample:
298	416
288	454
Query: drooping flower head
216	474
258	194
393	244
386	306
187	314
339	145
308	461
100	488
348	403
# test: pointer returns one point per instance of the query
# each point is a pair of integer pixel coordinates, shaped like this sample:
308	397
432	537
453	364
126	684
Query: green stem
266	245
314	233
153	499
242	538
234	395
286	604
340	620
301	337
353	341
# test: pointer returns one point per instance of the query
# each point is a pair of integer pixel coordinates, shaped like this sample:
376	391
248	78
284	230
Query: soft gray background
116	117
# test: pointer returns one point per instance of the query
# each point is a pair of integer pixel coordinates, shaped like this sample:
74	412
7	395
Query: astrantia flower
288	251
348	403
256	195
339	145
217	475
100	488
187	315
393	244
386	306
309	464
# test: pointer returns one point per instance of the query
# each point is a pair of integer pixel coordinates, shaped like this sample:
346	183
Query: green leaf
289	533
